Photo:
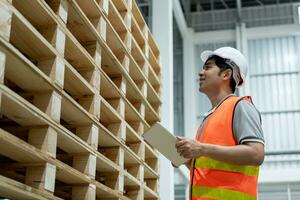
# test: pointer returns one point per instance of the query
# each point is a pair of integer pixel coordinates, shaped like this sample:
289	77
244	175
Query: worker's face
209	77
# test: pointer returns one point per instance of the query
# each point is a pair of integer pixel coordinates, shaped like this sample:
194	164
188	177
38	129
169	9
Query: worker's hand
189	148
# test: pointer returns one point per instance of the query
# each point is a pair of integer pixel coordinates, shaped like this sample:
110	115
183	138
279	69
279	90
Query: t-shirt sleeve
247	123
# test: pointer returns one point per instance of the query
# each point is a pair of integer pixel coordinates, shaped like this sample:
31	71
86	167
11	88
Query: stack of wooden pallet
80	83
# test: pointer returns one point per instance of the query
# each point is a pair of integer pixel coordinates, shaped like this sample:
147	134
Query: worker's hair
221	63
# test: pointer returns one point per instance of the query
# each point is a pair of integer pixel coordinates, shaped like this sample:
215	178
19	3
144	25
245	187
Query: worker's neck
217	97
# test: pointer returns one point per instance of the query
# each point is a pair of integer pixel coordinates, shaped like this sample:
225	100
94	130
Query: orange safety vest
217	180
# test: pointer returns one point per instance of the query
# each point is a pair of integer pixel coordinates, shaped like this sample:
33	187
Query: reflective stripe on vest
217	180
209	163
222	194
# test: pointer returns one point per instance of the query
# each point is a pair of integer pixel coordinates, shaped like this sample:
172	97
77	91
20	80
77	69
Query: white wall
162	23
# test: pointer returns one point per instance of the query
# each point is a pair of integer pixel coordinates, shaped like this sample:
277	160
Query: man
225	155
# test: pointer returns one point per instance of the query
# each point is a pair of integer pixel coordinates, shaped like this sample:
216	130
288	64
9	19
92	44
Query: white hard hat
233	55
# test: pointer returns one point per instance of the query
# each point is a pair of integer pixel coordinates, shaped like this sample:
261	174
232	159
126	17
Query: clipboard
161	139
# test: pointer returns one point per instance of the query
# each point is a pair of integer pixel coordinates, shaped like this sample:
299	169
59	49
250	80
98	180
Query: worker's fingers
187	155
179	138
183	148
180	143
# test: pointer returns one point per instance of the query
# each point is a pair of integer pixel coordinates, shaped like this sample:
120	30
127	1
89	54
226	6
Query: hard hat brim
206	54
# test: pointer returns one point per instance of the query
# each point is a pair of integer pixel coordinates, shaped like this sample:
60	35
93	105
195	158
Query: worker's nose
201	73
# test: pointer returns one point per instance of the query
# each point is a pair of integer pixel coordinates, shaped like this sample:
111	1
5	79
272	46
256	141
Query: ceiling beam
199	7
259	2
239	10
224	4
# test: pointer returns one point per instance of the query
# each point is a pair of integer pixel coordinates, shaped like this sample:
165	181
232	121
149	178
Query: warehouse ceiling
209	15
208	5
206	15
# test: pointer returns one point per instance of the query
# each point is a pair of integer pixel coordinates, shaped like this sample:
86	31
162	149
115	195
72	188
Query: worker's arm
250	153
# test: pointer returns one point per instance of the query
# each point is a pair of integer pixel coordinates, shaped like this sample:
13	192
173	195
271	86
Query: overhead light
299	13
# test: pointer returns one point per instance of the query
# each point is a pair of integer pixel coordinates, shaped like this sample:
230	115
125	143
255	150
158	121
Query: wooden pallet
79	84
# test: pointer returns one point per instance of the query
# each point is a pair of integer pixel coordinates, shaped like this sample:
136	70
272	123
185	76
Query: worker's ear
226	75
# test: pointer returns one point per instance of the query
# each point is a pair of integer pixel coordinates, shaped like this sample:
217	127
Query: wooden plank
107	138
152	95
138	55
39	18
152	184
24	73
121	5
150	173
12	147
138	127
23	33
85	164
87	192
150	152
54	68
109	115
136	13
105	165
138	148
41	177
107	50
116	20
55	36
93	11
132	187
2	65
5	22
60	7
131	158
152	162
150	194
43	138
94	50
22	152
131	181
136	72
153	46
25	114
138	34
49	103
154	64
153	79
132	114
27	75
109	65
91	104
15	190
89	134
108	89
81	88
73	113
76	56
131	135
114	180
104	192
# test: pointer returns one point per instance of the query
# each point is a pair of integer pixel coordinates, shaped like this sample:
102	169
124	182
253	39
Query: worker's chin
201	89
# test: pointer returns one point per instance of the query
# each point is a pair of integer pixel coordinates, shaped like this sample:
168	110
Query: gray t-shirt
246	122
